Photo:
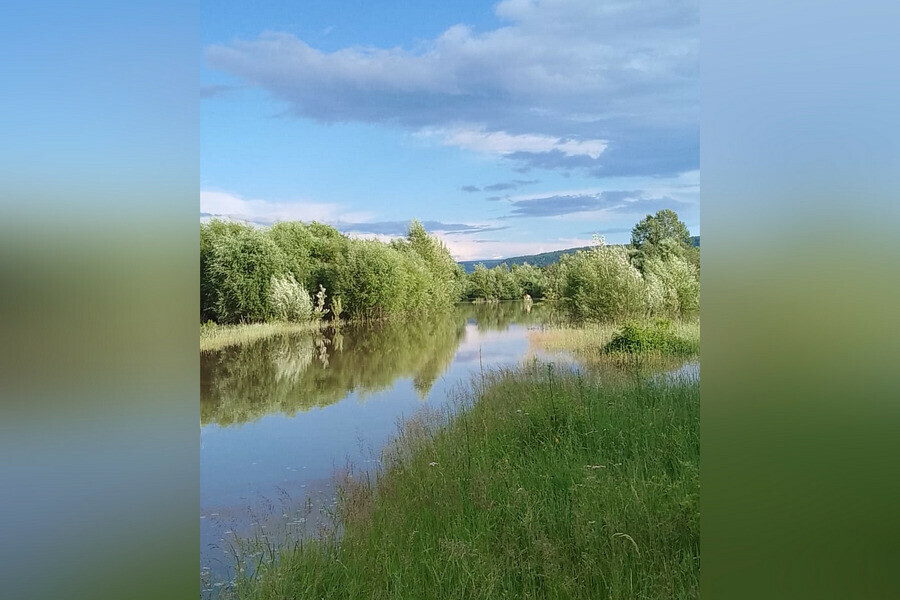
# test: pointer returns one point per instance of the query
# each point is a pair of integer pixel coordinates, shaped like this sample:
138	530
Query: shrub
239	264
445	282
505	283
240	267
295	240
288	300
337	308
530	280
673	287
658	337
319	311
601	285
376	284
211	235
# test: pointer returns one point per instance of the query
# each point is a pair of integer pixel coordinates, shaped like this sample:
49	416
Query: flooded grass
540	482
590	342
216	337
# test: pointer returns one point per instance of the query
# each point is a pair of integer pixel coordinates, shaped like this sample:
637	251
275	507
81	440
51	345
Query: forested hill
538	260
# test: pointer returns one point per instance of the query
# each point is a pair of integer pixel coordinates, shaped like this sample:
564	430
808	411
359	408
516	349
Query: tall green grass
540	484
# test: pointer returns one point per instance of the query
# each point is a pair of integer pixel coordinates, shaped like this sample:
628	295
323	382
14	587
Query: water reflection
295	372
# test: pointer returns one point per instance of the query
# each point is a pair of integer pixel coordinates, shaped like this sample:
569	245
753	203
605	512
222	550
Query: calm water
281	416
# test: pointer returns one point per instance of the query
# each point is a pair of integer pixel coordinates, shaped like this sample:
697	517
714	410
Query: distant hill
539	260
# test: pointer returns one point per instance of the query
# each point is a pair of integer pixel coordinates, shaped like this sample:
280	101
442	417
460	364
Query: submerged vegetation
543	484
613	351
217	337
593	342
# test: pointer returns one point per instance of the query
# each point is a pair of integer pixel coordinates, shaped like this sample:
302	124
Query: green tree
211	234
295	240
673	287
481	284
505	283
661	234
328	255
530	280
240	264
445	280
601	285
241	267
376	281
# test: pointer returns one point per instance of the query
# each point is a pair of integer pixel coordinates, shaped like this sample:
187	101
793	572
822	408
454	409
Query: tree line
658	274
296	271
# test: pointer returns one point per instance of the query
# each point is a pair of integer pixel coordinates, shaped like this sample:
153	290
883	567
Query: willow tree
241	268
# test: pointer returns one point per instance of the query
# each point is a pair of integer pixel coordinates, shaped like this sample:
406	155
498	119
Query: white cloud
264	212
381	237
220	204
600	81
501	142
469	249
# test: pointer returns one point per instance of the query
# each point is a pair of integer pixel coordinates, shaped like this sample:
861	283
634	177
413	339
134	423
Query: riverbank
543	483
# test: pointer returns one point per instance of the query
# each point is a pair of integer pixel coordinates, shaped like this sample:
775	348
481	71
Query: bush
295	240
530	280
376	285
240	264
211	236
503	283
240	267
288	300
337	308
319	311
602	285
636	338
673	287
429	258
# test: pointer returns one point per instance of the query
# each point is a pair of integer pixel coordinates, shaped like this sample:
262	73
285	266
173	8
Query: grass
216	337
543	483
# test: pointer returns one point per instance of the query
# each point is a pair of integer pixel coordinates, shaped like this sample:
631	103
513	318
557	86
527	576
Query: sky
507	128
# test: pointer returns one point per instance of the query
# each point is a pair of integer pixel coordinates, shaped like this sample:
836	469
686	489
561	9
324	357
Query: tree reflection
295	372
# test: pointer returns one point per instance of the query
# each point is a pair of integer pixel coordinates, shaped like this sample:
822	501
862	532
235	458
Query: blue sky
509	128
